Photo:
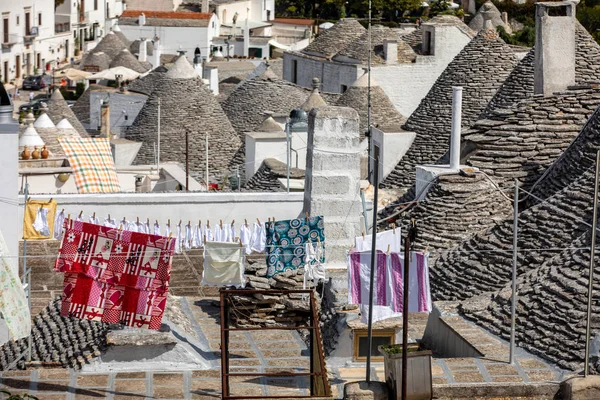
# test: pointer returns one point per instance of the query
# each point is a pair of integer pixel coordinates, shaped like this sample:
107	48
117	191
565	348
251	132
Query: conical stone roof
148	83
384	115
181	69
111	45
314	99
64	124
247	104
117	31
29	137
269	125
187	105
59	109
43	121
127	60
519	84
97	59
81	108
359	49
331	41
480	68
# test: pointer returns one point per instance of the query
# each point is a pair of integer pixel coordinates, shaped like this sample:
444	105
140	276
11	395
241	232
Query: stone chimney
554	47
390	51
487	15
332	180
142	19
105	120
156	52
204	7
143	51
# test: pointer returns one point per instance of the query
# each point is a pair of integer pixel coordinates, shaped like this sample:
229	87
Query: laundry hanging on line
388	283
286	242
114	276
187	236
387	241
13	301
38	220
224	264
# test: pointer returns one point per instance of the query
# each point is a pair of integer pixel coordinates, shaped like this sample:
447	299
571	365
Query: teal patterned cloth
286	242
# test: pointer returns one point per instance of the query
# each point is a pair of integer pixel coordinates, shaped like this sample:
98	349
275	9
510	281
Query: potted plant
419	383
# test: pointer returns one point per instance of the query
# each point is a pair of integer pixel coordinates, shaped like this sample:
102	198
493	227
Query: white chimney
143	52
156	52
105	120
142	19
246	39
390	51
554	47
456	125
204	7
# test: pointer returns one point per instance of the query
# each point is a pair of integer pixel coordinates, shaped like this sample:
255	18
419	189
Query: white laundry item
209	234
391	238
94	220
157	229
246	237
223	264
187	239
313	267
79	218
168	230
59	221
41	222
419	292
111	223
178	239
132	226
197	237
229	233
259	238
218	233
146	227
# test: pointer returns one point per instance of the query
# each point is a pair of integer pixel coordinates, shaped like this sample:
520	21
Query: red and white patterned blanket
112	276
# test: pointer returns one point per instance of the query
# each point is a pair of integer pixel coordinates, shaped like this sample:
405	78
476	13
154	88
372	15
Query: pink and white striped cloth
388	283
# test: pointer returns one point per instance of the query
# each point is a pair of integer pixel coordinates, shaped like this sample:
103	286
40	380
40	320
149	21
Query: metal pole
372	276
405	279
287	139
591	283
187	161
206	157
26	275
364	207
158	144
513	305
369	139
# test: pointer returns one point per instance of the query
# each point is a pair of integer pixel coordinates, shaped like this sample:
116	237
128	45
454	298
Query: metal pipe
206	157
287	158
369	139
187	161
455	127
405	279
364	207
372	275
513	305
591	283
158	144
27	275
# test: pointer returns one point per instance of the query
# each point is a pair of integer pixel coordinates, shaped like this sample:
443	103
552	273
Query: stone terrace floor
272	351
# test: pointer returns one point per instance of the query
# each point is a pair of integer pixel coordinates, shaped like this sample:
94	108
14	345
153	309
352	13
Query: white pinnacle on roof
30	138
363	81
43	120
64	124
181	69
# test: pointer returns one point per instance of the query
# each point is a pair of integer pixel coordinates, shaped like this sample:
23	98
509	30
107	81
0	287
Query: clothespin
109	217
137	220
63	211
179	223
204	238
258	220
426	249
94	215
169	222
306	213
394	227
170	235
318	240
389	249
207	223
68	217
269	219
190	223
273	219
156	221
221	223
241	244
232	222
50	201
246	222
120	228
124	219
81	213
363	235
148	221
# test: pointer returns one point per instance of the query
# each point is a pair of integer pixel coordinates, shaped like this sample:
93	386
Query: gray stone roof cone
97	59
383	113
269	125
328	43
59	109
111	45
480	68
127	60
314	99
187	105
117	31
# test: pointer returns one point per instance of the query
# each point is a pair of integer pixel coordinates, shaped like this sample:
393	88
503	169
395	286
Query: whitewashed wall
180	206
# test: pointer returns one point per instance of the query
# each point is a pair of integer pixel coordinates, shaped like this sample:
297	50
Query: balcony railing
11	40
62	27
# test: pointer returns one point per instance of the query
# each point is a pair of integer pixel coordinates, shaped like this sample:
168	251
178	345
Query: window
17	20
27	23
5	38
294	71
95	4
428	43
38	60
343	88
361	343
40	19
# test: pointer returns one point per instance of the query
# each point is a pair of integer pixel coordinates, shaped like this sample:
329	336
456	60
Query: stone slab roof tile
480	68
127	60
332	40
359	49
186	105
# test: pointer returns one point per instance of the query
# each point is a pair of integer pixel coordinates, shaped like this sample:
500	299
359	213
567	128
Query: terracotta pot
36	154
26	154
45	153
